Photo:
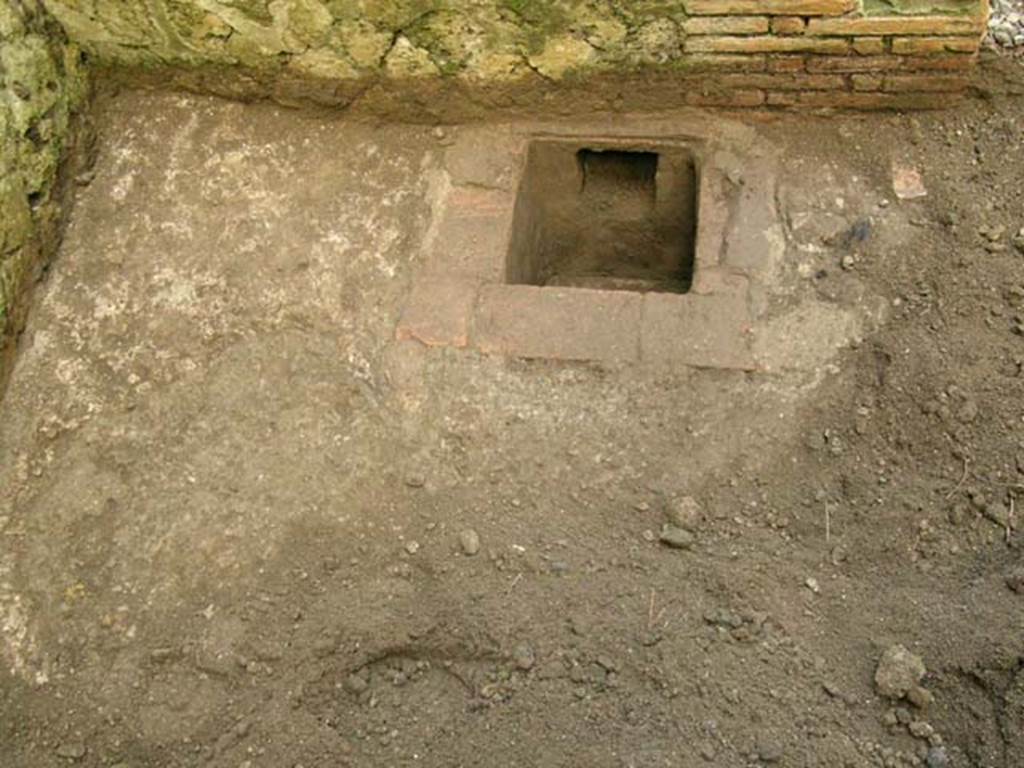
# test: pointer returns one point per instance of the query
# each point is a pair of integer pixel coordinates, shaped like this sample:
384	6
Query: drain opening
605	217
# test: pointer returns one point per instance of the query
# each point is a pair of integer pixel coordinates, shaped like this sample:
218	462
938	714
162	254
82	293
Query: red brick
713	218
896	25
437	312
771	7
724	98
930	83
786	64
774	99
720	281
558	323
472	234
723	62
853	63
782	82
869	46
867	82
932	45
767	44
788	25
958	62
888	63
726	25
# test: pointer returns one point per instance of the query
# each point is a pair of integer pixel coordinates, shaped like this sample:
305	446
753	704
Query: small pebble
919	697
684	512
769	750
920	729
71	750
469	541
937	758
1015	580
898	671
523	657
412	547
676	538
356	684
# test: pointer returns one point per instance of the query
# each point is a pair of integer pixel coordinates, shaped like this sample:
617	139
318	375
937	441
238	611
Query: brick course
829	53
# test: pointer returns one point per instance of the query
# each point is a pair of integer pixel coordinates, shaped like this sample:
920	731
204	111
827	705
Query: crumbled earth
243	526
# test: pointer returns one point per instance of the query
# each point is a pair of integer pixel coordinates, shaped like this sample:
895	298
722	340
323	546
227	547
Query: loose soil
242	526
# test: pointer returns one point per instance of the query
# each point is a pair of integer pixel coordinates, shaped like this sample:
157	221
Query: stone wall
42	85
847	53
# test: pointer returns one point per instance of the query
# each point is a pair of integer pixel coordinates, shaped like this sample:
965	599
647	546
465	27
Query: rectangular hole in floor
612	218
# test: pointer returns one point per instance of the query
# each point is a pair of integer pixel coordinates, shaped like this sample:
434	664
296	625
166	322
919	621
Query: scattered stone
898	671
1015	580
920	697
412	547
968	411
812	584
1018	241
469	541
523	657
848	262
677	538
71	750
907	182
937	758
920	729
356	684
838	555
684	512
723	617
160	655
993	233
415	480
769	750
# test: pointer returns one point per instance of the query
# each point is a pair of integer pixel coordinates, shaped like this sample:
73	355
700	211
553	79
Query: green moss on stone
42	83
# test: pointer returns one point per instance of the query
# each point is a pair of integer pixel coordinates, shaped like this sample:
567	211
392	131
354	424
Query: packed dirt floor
242	525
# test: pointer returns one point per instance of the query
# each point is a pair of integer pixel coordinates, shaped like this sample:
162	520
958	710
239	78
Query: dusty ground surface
235	513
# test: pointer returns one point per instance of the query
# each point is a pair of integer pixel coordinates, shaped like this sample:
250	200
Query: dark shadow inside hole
606	218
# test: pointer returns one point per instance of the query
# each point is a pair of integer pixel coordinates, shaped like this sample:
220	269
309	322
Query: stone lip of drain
621	246
605	217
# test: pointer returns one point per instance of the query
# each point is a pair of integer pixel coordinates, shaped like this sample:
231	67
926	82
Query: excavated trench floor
334	443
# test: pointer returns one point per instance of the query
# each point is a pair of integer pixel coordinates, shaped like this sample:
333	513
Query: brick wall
432	57
824	53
